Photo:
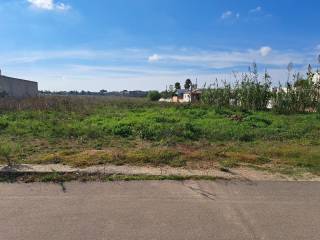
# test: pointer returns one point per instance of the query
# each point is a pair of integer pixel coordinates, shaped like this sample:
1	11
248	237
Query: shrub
154	96
123	130
149	132
190	131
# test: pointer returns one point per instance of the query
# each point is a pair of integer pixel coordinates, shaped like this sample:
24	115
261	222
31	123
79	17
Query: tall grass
69	103
301	95
254	93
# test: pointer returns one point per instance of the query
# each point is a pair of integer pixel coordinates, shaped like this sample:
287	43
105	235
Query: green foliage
84	132
3	123
156	122
154	96
302	96
7	151
123	130
250	93
167	94
188	84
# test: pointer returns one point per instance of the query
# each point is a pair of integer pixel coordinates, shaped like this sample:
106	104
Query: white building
165	100
316	78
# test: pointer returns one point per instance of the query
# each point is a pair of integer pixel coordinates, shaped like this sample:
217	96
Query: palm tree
177	86
187	84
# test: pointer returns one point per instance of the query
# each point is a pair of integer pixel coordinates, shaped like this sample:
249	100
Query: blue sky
148	44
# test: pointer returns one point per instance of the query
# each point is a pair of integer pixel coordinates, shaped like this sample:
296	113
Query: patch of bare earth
241	173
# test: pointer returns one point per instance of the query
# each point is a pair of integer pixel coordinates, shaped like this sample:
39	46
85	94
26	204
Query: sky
150	44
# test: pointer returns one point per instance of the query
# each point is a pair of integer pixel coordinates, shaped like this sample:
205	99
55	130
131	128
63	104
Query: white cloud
62	6
130	68
154	58
230	15
255	10
187	58
318	47
49	5
226	14
265	51
43	4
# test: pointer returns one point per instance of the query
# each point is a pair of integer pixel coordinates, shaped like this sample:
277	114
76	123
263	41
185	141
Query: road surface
161	210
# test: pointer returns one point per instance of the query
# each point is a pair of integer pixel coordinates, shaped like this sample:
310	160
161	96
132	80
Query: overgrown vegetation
252	93
154	95
85	131
7	151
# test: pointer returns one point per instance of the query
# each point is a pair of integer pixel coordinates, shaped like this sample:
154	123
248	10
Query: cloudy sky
148	44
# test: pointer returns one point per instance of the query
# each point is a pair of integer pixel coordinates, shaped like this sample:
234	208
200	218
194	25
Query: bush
123	130
154	96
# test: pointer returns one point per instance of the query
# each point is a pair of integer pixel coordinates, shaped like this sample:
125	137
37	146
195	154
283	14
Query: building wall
187	97
18	88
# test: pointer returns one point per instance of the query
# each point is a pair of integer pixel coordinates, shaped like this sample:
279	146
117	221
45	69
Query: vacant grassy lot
83	131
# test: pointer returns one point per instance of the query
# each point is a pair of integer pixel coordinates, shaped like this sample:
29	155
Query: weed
7	151
91	131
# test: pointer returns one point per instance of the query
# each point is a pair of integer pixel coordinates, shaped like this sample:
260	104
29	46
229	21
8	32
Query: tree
177	86
154	96
103	92
187	84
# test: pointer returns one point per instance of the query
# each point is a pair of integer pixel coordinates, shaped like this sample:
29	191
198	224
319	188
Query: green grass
83	132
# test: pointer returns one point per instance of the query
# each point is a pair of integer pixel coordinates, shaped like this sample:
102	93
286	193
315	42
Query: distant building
316	77
187	96
165	100
17	88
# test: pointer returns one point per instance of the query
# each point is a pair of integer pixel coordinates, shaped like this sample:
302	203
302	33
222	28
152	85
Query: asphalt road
161	210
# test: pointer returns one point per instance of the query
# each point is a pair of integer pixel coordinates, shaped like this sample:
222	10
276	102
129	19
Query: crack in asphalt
200	191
